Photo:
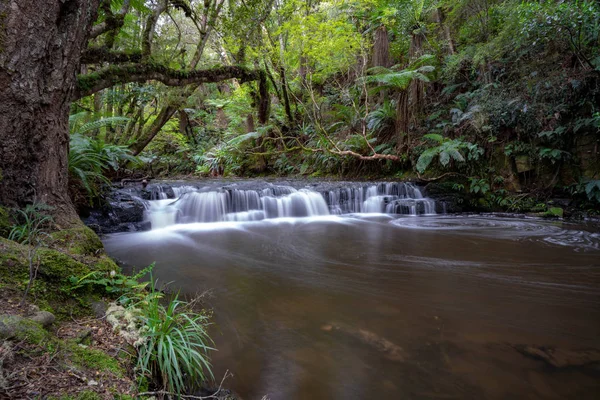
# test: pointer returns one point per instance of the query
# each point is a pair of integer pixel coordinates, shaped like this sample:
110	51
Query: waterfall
188	204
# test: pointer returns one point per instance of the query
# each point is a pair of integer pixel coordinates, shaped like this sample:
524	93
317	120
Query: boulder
44	318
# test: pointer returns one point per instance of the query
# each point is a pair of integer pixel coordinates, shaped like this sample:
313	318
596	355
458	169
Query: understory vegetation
500	97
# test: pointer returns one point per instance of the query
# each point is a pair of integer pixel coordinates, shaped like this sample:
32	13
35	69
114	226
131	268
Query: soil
33	372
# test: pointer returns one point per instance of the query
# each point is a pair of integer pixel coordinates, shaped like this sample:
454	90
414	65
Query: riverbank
56	343
68	339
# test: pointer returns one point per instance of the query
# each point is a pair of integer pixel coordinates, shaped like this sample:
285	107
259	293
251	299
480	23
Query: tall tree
43	45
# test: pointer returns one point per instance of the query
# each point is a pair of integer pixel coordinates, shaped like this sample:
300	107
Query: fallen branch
437	178
188	396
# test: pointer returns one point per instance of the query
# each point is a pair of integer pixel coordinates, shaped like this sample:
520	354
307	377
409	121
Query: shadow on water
391	307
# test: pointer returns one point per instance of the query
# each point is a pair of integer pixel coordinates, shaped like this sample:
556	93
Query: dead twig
189	396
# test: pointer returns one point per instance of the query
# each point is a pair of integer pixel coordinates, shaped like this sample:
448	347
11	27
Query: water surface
374	306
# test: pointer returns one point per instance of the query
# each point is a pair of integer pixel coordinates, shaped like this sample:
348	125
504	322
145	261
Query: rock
560	358
99	308
15	326
389	349
523	164
43	317
92	382
84	337
32	309
7	329
128	211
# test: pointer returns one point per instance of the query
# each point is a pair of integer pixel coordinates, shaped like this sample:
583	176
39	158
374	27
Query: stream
368	291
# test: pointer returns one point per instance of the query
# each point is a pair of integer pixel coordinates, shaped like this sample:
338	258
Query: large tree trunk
41	42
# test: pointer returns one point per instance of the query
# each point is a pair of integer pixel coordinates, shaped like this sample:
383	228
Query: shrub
175	353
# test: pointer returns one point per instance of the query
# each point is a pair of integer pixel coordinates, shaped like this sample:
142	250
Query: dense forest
500	96
493	104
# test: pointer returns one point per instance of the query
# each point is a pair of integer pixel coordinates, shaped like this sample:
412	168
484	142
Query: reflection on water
391	308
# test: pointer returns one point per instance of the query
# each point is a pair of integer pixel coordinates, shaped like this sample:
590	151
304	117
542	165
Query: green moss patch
86	357
5	225
78	241
16	327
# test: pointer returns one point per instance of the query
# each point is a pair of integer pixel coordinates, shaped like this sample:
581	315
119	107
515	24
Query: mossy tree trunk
41	42
43	45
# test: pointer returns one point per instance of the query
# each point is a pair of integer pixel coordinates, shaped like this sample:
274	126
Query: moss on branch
141	72
96	55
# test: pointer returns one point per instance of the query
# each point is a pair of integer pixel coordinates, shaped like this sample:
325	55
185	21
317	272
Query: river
364	304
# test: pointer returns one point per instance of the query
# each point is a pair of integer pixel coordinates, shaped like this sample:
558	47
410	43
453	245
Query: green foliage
592	190
399	79
175	354
90	160
479	186
78	128
446	149
381	120
128	289
34	219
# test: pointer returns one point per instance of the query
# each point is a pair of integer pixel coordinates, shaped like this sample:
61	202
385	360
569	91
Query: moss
51	288
5	225
554	212
105	263
25	329
79	241
57	266
85	395
94	359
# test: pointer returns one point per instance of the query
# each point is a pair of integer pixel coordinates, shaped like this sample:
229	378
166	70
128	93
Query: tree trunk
381	48
41	44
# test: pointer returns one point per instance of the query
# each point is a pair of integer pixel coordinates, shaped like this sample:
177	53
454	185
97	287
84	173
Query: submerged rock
389	349
560	358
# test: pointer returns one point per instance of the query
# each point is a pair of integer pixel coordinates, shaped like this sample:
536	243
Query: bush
175	353
90	160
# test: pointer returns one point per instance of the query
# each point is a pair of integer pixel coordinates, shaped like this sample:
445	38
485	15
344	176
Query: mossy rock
554	212
51	288
57	266
14	326
79	241
106	264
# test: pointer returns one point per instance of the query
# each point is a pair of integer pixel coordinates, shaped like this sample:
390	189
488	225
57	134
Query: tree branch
97	55
150	26
112	21
141	72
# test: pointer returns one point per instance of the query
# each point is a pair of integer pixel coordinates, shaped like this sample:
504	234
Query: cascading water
189	204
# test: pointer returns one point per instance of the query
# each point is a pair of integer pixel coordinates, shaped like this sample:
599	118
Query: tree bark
41	42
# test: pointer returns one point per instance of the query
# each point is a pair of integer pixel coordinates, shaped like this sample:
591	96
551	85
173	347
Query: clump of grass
175	354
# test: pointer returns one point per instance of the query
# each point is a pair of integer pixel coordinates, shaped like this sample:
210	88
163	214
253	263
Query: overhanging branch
112	22
141	72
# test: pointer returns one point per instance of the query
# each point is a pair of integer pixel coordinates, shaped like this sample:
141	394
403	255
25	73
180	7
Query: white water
193	205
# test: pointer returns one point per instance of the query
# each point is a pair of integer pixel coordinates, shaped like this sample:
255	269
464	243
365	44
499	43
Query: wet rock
44	318
123	211
126	212
447	199
560	358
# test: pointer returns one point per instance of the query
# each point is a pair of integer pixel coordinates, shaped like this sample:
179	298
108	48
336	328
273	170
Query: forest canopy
502	95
